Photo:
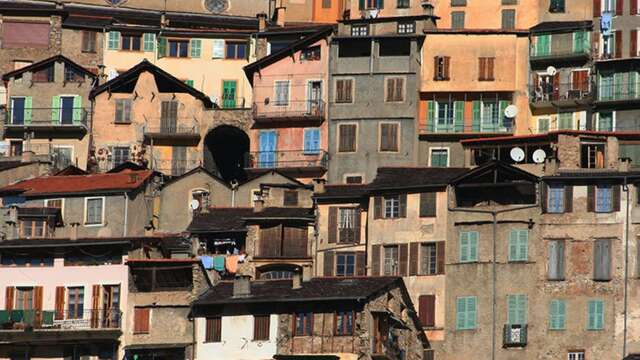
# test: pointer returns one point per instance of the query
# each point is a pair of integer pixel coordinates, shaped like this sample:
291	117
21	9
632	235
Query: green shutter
461	312
466	313
196	48
471	313
557	315
114	40
189	82
618	85
542	45
595	310
28	109
431	116
464	247
55	109
631	84
361	4
477	104
149	42
162	47
517	305
77	109
458	108
578	41
473	246
518	245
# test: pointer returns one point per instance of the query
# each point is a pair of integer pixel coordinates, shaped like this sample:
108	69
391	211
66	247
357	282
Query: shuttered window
508	19
213	329
123	111
345	264
518	245
555	199
281	93
290	198
88	41
391	263
348	225
17	34
196	48
389	137
602	260
557	311
466	312
457	20
429	259
517	309
283	241
303	324
427	310
603	199
486	68
428	204
394	89
555	269
261	324
141	320
347	137
595	315
344	323
149	42
344	91
468	246
441	68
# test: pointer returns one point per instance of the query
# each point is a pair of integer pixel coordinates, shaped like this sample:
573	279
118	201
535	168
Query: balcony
181	131
46	122
618	93
47	325
293	162
485	126
308	111
570	94
515	335
567	56
231	103
174	167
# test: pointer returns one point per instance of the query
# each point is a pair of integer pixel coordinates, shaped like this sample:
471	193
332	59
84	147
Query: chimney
262	21
280	15
258	205
296	281
624	164
306	273
241	286
551	166
318	186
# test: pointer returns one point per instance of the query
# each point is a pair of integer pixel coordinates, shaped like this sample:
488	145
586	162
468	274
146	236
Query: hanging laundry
207	262
232	264
218	262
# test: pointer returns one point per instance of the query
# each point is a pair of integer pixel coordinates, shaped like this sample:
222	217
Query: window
123	111
371	4
261	324
394	47
575	355
541	45
196	48
141	320
353	179
276	275
347	137
202	197
46	74
602	260
178	48
457	20
603	199
281	93
149	42
311	54
565	121
555	269
102	256
131	42
391	265
62	156
304	324
359	30
391	205
24	298
381	328
517	306
236	50
403	4
441	71
344	323
406	27
609	5
389	137
13	34
72	75
113	40
485	71
555	199
592	156
508	19
468	246
345	264
429	259
311	141
439	158
290	198
326	4
557	311
88	41
347	225
518	245
427	310
605	121
595	315
219	49
395	90
466	313
283	241
94	208
458	2
120	155
213	329
344	91
556	6
75	302
33	228
543	125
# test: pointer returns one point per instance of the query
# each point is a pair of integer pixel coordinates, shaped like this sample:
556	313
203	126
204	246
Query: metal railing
174	167
180	126
46	117
544	92
449	126
80	319
515	335
586	51
287	159
289	109
628	90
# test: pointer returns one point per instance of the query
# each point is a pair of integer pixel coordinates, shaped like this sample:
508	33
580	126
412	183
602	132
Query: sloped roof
41	64
343	191
79	184
193	171
506	171
228	219
130	77
389	178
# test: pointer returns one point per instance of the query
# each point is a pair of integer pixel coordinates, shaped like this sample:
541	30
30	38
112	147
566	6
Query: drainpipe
126	214
625	187
494	214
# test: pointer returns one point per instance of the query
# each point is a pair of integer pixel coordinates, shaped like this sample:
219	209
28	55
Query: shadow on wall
225	151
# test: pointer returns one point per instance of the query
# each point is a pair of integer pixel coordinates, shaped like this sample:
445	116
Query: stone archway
225	152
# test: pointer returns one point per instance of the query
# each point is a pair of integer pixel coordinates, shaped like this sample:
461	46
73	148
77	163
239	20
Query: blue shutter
461	312
471	313
464	247
267	156
557	314
311	141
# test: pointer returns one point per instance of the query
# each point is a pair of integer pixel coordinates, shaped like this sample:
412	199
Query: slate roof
344	191
316	289
235	219
79	184
389	178
46	62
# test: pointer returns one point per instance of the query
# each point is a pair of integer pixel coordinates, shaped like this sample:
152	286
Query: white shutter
218	49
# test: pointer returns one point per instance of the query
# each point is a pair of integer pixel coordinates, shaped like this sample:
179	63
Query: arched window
277	272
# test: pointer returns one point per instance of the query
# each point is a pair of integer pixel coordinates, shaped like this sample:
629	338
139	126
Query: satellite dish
551	70
511	111
517	154
539	156
373	13
195	204
112	74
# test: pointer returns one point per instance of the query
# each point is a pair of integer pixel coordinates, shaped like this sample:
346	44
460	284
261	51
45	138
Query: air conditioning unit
515	335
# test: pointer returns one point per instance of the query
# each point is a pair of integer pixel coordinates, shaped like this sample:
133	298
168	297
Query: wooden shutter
390	89
60	297
616	198
428	204
556	86
633	41
261	327
377	207
95	306
543	196
348	90
375	260
619	6
333	224
403	205
596	8
399	89
427	310
414	258
9	298
270	241
618	45
436	76
446	67
361	263
633	7
294	241
213	330
356	224
141	320
339	90
403	254
490	64
328	263
568	198
590	198
481	68
37	303
440	246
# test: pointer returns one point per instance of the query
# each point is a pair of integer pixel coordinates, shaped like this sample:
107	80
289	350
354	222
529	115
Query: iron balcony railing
289	109
616	91
515	335
66	320
451	126
569	91
47	117
168	127
287	159
553	54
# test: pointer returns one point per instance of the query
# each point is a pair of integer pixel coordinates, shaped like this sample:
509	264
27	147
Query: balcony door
105	305
267	155
66	109
229	94
314	97
169	117
17	110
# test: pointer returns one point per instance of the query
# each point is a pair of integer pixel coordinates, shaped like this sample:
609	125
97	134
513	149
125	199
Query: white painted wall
237	340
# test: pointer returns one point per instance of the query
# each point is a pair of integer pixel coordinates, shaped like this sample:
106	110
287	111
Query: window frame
466	257
396	265
466	313
179	42
345	256
395	98
439	148
556	195
70	147
213	334
425	258
354	149
598	323
515	242
392	203
236	44
344	330
125	114
86	211
397	140
307	323
284	102
359	30
131	42
576	355
406	27
89	38
598	207
351	97
557	318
